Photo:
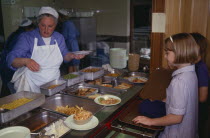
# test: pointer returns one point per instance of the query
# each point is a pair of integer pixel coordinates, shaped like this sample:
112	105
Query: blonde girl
181	120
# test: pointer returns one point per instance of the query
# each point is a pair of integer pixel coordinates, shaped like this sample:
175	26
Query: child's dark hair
202	43
184	46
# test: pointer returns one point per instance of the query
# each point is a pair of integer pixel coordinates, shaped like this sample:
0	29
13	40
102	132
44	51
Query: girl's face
170	57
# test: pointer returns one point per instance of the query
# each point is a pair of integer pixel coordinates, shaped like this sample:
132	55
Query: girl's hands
143	120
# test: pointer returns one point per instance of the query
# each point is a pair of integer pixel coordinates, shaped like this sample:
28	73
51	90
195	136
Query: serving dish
138	80
74	78
63	100
53	87
91	73
37	100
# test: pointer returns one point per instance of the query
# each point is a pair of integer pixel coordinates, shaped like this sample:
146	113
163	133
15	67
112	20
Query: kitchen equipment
38	100
118	58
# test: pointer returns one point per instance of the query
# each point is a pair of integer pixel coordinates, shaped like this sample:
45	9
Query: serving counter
108	116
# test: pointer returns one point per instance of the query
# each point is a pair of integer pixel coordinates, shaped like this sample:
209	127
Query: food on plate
98	81
83	115
94	96
107	85
113	75
108	100
70	76
69	110
53	86
16	103
91	70
57	128
123	86
85	91
139	80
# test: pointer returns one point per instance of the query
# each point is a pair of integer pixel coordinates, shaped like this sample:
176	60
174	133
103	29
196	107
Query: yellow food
69	110
53	86
106	85
123	86
109	101
83	115
16	103
113	75
91	70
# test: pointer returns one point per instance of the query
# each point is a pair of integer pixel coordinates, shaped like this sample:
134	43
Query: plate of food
82	52
82	121
137	79
107	100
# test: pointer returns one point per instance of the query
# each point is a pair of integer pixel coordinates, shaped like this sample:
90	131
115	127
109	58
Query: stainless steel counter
107	113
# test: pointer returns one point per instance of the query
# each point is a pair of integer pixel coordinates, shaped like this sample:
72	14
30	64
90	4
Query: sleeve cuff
176	111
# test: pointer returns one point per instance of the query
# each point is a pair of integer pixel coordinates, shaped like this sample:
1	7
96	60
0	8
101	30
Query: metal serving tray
114	82
35	119
132	74
74	90
78	79
105	90
93	75
47	91
63	100
38	100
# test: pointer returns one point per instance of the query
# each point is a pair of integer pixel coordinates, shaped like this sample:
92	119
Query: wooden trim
157	38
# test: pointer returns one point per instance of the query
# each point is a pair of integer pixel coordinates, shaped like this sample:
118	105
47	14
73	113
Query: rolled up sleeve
178	97
21	50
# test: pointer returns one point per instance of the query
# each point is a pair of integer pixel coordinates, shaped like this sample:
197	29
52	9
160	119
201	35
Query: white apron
49	58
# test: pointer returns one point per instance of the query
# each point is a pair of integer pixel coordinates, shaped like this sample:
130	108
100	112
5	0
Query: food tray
133	74
39	99
78	79
62	100
92	75
48	91
35	119
74	90
114	82
131	112
114	71
105	90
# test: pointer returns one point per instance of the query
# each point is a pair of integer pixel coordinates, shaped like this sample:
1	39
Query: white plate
82	52
137	77
96	100
90	125
15	132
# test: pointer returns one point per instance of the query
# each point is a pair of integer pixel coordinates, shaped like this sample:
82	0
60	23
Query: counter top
106	113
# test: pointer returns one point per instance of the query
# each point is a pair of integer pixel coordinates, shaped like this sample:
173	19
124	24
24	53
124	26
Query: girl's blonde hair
184	46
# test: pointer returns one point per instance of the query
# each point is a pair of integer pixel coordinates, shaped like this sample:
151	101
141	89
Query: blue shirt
24	46
70	33
202	74
182	99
